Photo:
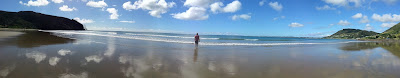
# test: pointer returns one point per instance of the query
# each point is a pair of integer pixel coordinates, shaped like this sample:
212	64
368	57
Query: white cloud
363	18
231	7
337	2
344	23
325	7
127	21
358	15
276	6
99	4
242	16
193	13
114	13
198	3
386	17
368	27
388	24
295	24
356	3
35	3
215	7
57	1
83	21
66	8
261	3
156	7
83	0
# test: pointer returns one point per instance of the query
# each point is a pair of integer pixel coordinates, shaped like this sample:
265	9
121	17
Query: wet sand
42	55
7	34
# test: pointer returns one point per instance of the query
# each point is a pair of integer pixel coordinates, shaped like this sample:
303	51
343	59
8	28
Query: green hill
34	20
392	33
351	34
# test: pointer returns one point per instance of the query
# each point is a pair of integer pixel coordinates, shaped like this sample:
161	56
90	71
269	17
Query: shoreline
17	29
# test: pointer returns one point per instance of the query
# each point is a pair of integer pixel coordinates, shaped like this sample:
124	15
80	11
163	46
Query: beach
111	54
6	34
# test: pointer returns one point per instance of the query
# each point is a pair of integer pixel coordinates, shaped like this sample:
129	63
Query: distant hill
392	33
34	20
351	34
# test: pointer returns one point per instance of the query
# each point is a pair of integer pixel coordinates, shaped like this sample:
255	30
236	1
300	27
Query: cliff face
351	34
34	20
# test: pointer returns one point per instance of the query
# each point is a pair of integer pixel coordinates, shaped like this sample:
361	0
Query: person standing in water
197	38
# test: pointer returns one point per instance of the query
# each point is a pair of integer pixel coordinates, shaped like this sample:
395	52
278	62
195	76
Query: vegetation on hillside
351	34
392	33
34	20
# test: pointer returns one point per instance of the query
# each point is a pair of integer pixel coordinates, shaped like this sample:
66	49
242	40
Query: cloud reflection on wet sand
37	56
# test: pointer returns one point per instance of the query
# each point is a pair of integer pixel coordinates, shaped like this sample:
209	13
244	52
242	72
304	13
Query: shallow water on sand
41	55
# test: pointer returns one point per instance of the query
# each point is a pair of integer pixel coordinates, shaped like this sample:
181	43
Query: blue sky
301	18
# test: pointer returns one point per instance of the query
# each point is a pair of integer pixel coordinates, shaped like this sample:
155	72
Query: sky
298	18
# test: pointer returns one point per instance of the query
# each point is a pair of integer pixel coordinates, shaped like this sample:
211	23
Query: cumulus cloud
262	2
127	21
98	4
156	7
57	1
35	3
83	21
325	7
66	8
295	24
241	16
114	13
231	7
276	6
193	13
198	3
368	27
358	15
363	18
388	24
344	23
386	17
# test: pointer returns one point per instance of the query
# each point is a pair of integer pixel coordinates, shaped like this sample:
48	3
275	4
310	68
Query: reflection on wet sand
37	56
196	50
80	75
4	71
119	58
36	39
393	48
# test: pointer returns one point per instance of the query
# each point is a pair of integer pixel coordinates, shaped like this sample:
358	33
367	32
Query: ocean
213	40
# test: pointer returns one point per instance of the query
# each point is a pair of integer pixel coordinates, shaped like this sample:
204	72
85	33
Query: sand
6	34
